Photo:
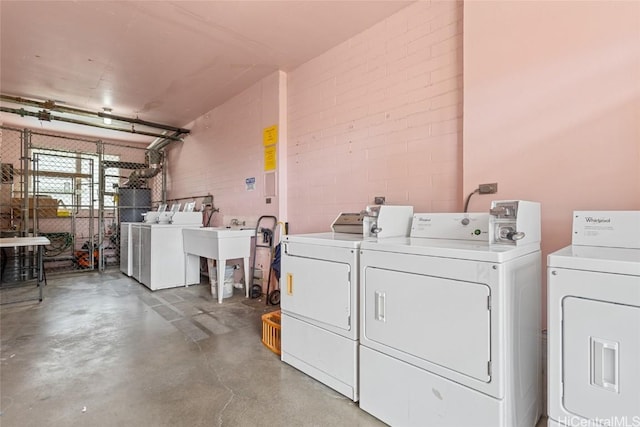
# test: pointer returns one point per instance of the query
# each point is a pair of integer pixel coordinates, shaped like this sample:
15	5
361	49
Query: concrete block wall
224	148
379	115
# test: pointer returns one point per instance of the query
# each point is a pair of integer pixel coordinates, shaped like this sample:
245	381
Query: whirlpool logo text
595	220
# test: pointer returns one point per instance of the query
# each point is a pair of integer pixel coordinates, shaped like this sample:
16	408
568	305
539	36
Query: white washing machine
126	251
153	253
319	295
450	320
594	323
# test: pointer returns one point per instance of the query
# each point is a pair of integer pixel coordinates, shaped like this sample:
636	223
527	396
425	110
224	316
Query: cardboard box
47	207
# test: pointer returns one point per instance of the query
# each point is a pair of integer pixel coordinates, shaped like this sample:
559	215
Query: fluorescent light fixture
107	120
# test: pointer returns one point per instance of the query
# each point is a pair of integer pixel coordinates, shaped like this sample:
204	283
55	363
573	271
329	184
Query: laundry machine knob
508	233
516	235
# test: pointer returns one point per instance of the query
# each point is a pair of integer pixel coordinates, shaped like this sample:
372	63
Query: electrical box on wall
488	188
379	200
270	184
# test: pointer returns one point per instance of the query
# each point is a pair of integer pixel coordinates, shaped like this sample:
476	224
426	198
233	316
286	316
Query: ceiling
165	62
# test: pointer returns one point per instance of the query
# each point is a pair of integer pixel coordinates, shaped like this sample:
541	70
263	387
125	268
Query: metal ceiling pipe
166	141
143	122
46	116
51	105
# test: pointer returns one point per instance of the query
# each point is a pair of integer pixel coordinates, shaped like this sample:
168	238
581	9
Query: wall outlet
379	200
488	188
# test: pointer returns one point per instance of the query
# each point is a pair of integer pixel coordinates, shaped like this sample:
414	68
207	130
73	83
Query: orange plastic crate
271	331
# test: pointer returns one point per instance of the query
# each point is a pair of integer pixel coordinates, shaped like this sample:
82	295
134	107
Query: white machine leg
222	263
248	277
186	274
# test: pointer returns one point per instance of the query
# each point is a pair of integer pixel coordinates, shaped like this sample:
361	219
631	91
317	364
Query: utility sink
221	244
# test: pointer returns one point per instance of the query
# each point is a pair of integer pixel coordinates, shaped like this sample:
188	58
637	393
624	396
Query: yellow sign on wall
270	158
270	135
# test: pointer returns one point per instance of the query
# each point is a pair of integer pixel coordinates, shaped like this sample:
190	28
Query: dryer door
601	360
317	289
438	320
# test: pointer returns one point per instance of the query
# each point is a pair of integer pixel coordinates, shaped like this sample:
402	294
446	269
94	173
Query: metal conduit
46	116
51	105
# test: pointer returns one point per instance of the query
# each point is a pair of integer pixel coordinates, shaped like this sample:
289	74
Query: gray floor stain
212	324
169	297
231	320
167	312
149	300
190	330
186	308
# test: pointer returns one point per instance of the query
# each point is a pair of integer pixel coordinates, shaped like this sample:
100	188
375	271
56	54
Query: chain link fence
66	189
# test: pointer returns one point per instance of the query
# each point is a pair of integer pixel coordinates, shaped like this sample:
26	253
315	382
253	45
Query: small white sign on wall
250	183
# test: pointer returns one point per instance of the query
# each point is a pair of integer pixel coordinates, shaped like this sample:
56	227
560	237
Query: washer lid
595	258
457	249
341	240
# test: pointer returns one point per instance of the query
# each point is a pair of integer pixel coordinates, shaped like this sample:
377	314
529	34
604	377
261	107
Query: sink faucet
235	223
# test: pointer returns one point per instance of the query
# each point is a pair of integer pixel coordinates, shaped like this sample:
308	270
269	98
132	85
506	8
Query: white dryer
594	323
319	295
450	321
319	308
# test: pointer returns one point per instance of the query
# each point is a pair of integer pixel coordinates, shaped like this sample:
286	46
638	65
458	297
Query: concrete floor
103	350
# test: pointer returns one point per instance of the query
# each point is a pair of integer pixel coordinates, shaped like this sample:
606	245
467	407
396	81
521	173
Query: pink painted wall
224	148
379	115
552	107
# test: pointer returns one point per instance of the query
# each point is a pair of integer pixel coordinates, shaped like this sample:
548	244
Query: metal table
40	242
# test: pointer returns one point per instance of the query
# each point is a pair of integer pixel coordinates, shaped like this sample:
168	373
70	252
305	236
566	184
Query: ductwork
160	143
139	176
